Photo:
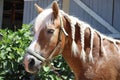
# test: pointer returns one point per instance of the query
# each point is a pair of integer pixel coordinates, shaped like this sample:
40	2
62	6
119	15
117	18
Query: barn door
12	14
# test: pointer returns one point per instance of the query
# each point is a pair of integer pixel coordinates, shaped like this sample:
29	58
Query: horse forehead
41	18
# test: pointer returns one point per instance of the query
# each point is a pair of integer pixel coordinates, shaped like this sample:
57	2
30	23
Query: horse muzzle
31	63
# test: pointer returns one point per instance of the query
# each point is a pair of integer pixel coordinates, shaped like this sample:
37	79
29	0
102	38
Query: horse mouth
31	64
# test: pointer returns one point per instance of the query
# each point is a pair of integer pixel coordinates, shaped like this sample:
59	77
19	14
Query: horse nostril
31	62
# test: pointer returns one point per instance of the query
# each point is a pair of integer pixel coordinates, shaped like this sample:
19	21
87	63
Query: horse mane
83	25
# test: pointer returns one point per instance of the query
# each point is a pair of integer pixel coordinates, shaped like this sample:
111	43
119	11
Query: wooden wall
29	10
108	10
116	15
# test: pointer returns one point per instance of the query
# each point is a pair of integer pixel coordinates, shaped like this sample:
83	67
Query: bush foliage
12	50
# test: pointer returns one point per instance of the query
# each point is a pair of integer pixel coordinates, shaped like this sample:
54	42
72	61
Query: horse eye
50	31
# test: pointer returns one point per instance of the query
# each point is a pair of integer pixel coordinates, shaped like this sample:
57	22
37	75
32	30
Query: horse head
48	38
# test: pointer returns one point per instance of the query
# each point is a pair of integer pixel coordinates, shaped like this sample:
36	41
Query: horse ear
38	8
55	9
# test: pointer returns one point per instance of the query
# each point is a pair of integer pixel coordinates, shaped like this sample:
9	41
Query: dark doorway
13	14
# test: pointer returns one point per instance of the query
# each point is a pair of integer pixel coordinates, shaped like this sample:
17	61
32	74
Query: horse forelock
43	20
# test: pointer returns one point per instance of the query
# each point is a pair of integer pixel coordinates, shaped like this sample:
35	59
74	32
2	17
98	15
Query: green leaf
46	68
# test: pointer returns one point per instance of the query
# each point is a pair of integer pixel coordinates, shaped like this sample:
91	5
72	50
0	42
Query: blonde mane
83	26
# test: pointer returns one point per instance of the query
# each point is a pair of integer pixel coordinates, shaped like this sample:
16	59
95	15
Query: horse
89	54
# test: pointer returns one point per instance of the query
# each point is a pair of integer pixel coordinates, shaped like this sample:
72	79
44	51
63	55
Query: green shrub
12	50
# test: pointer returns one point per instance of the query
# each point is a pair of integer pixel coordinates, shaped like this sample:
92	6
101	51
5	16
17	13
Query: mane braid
82	32
91	45
101	42
74	45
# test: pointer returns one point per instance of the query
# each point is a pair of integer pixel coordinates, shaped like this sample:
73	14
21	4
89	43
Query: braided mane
83	26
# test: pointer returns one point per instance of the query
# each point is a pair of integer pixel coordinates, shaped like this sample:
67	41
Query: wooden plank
116	16
1	12
65	6
96	17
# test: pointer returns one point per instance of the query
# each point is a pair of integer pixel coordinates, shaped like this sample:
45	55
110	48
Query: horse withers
90	55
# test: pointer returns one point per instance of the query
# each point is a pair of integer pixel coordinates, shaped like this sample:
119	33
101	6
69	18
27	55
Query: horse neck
67	53
95	39
74	61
